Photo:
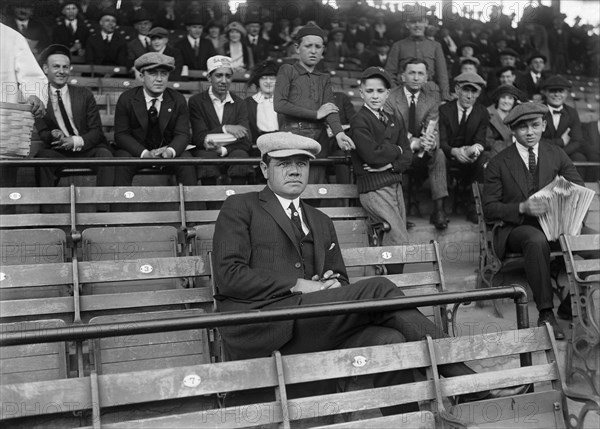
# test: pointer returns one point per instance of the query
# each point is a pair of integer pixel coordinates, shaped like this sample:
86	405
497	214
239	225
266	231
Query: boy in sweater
382	154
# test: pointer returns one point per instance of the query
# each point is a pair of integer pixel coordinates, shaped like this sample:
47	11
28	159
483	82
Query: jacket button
297	265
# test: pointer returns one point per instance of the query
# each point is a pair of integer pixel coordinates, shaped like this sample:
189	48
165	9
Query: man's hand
566	137
387	166
344	142
56	134
460	155
148	154
211	145
37	106
533	207
65	143
328	281
237	131
326	109
428	142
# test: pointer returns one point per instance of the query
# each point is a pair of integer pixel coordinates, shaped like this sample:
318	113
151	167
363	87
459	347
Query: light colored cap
469	78
283	144
154	60
218	61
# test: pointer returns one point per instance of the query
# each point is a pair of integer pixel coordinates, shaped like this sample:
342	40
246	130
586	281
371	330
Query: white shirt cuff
223	128
173	153
77	143
223	151
144	152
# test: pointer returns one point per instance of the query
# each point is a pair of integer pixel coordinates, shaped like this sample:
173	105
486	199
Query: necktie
383	117
557	112
70	27
147	44
196	47
536	78
532	163
63	113
411	116
106	40
295	218
22	27
152	112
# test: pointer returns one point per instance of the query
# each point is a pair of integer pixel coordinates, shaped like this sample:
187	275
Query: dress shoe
493	394
564	309
438	218
548	316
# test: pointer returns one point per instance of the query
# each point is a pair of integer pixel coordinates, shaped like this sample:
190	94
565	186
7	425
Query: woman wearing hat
499	135
236	47
337	50
261	114
218	40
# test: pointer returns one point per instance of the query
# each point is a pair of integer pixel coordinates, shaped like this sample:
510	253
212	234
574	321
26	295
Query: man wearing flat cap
272	250
152	121
107	47
511	177
463	126
194	48
71	127
70	29
563	127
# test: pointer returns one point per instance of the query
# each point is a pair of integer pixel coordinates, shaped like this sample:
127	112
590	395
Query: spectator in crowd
258	45
346	112
213	35
379	27
499	135
463	127
93	9
382	154
511	177
506	75
168	16
195	49
107	47
70	29
152	121
469	65
129	11
307	112
507	58
530	81
33	30
218	111
416	46
142	22
360	56
379	59
563	127
337	50
449	46
418	108
262	117
159	42
71	127
236	47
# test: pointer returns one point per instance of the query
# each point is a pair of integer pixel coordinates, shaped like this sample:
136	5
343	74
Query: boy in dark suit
152	121
463	126
382	154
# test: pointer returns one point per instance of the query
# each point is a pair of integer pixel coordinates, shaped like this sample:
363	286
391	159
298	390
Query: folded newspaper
567	204
222	139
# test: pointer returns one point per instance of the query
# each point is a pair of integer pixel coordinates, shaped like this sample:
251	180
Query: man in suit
563	127
530	81
259	46
70	29
511	177
159	43
107	47
418	115
142	22
33	30
71	127
272	250
152	121
218	111
195	49
463	126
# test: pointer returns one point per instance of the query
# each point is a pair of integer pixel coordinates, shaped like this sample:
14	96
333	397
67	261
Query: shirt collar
105	35
460	109
285	203
525	150
259	97
410	94
149	97
375	112
555	109
64	91
193	41
302	70
214	98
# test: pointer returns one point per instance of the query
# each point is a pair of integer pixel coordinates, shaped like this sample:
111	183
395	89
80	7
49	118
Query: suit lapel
271	204
76	108
544	165
139	107
454	117
514	163
318	233
210	108
228	113
166	110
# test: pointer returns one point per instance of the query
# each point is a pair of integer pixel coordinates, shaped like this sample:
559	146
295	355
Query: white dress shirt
555	117
460	112
285	203
64	94
144	40
219	107
148	98
105	35
524	152
266	117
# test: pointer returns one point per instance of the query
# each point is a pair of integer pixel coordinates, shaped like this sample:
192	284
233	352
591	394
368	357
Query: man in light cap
218	111
152	121
463	126
271	250
511	177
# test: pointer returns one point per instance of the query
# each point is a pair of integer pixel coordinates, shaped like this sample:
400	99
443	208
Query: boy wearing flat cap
107	47
304	96
152	121
563	127
272	250
511	177
463	126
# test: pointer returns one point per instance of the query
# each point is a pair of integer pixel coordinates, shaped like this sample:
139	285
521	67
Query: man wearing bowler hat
194	48
272	250
152	121
107	47
530	81
511	177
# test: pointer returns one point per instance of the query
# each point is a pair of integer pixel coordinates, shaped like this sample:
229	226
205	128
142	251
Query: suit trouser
46	176
186	174
238	173
366	329
436	167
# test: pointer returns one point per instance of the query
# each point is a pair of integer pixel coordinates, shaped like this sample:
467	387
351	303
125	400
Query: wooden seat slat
418	282
27	276
583	242
35	219
23	196
416	420
409	254
129	218
37	307
586	265
126	194
107	301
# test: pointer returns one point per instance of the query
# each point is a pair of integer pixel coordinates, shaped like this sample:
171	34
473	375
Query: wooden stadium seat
33	362
98	70
35	198
193	87
91	83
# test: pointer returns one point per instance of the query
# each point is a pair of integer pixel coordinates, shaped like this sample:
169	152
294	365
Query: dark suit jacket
257	261
85	116
524	82
477	124
205	121
35	32
189	58
135	49
260	51
426	109
63	36
506	185
97	53
175	75
568	119
131	121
